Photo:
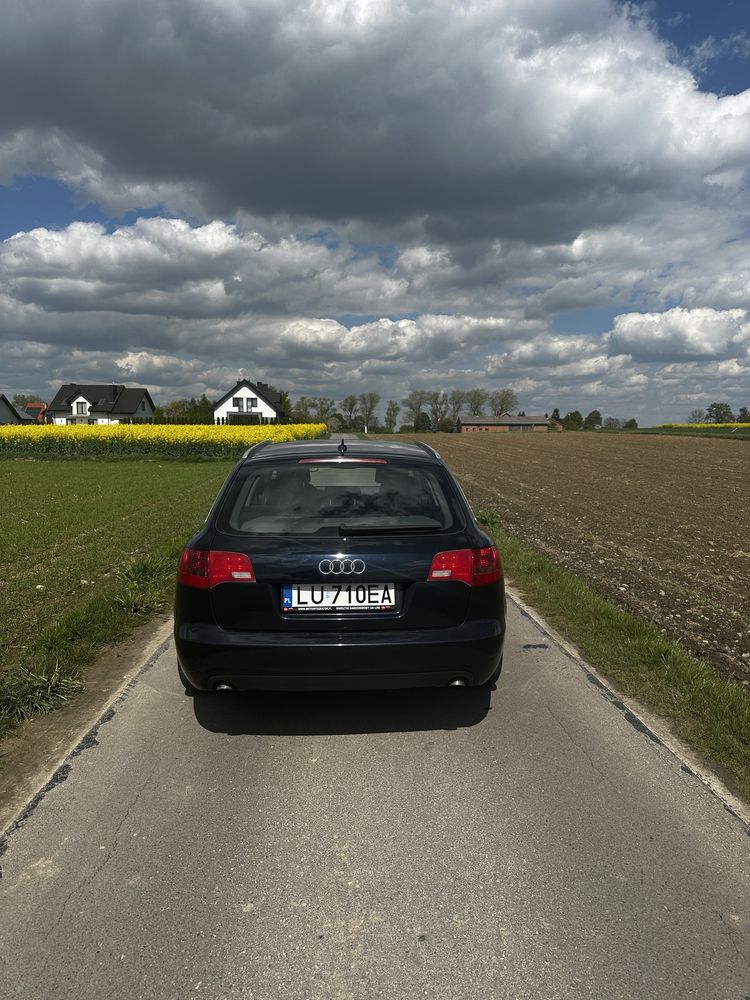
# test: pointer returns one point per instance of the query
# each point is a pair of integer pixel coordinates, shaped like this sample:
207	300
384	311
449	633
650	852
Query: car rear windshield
338	498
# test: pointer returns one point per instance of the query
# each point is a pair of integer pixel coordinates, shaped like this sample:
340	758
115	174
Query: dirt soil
660	525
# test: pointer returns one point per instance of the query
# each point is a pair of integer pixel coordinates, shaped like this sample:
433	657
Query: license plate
338	597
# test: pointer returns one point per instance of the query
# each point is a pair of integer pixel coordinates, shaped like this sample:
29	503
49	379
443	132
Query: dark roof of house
18	415
261	389
128	401
115	399
504	421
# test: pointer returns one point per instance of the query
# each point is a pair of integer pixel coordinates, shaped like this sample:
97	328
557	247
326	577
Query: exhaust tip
458	683
223	687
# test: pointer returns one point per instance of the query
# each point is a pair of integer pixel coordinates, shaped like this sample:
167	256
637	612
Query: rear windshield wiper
362	529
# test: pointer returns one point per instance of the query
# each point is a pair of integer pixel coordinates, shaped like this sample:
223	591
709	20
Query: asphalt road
537	844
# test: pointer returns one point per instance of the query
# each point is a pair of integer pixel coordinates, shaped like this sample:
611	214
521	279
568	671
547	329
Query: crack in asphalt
576	744
92	874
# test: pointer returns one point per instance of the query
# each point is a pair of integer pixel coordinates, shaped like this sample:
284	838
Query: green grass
87	551
709	712
53	667
68	528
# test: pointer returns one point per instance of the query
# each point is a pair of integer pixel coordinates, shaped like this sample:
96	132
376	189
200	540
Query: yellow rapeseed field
692	427
178	440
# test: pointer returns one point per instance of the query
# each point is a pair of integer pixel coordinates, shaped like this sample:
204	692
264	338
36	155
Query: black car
327	566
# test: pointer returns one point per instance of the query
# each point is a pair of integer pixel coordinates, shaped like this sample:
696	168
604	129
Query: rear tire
189	689
492	680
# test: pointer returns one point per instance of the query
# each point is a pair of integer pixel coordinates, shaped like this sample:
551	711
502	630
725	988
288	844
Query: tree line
575	421
421	410
719	413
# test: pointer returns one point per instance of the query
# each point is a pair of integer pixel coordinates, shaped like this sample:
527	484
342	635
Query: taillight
193	570
476	567
204	569
486	566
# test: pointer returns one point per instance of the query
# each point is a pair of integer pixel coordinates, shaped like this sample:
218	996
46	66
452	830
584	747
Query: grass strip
53	668
707	711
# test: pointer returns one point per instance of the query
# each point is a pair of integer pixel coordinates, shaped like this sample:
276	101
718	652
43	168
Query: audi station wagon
335	566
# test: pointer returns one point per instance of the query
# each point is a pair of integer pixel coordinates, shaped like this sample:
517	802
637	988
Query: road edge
638	715
40	779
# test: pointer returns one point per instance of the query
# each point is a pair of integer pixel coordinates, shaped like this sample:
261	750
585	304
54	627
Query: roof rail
257	447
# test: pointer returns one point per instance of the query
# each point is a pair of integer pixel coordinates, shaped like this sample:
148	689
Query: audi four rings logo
341	567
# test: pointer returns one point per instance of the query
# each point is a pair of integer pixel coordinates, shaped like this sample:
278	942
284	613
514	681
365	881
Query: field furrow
661	525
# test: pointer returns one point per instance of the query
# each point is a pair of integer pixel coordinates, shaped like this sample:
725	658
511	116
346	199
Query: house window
69	420
81	409
238	403
143	404
92	421
252	403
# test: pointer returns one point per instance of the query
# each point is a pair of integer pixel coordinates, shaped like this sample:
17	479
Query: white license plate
338	597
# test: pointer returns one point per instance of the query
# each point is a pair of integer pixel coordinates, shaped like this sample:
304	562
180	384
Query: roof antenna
342	448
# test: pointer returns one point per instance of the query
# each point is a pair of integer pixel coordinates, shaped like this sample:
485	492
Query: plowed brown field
660	525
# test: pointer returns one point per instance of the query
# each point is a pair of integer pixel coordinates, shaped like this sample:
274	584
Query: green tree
187	411
204	410
743	417
555	414
422	423
592	421
719	413
503	401
456	403
612	423
476	401
301	411
573	421
368	403
392	411
284	405
348	410
321	408
414	404
177	409
631	425
438	406
21	399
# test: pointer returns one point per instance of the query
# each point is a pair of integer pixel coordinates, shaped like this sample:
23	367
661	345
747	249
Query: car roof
355	448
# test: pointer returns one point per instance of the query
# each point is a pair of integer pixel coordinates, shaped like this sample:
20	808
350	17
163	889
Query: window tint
307	499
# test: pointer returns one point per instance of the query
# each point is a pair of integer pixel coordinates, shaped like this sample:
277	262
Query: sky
347	196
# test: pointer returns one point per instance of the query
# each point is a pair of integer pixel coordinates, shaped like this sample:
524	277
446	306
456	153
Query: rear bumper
305	661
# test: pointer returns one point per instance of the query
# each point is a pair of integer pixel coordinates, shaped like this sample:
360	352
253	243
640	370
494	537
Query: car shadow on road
265	713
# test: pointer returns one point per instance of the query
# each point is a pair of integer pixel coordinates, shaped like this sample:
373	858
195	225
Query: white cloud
532	120
380	193
681	334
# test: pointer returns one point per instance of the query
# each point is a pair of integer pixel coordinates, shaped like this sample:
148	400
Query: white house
248	403
99	404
